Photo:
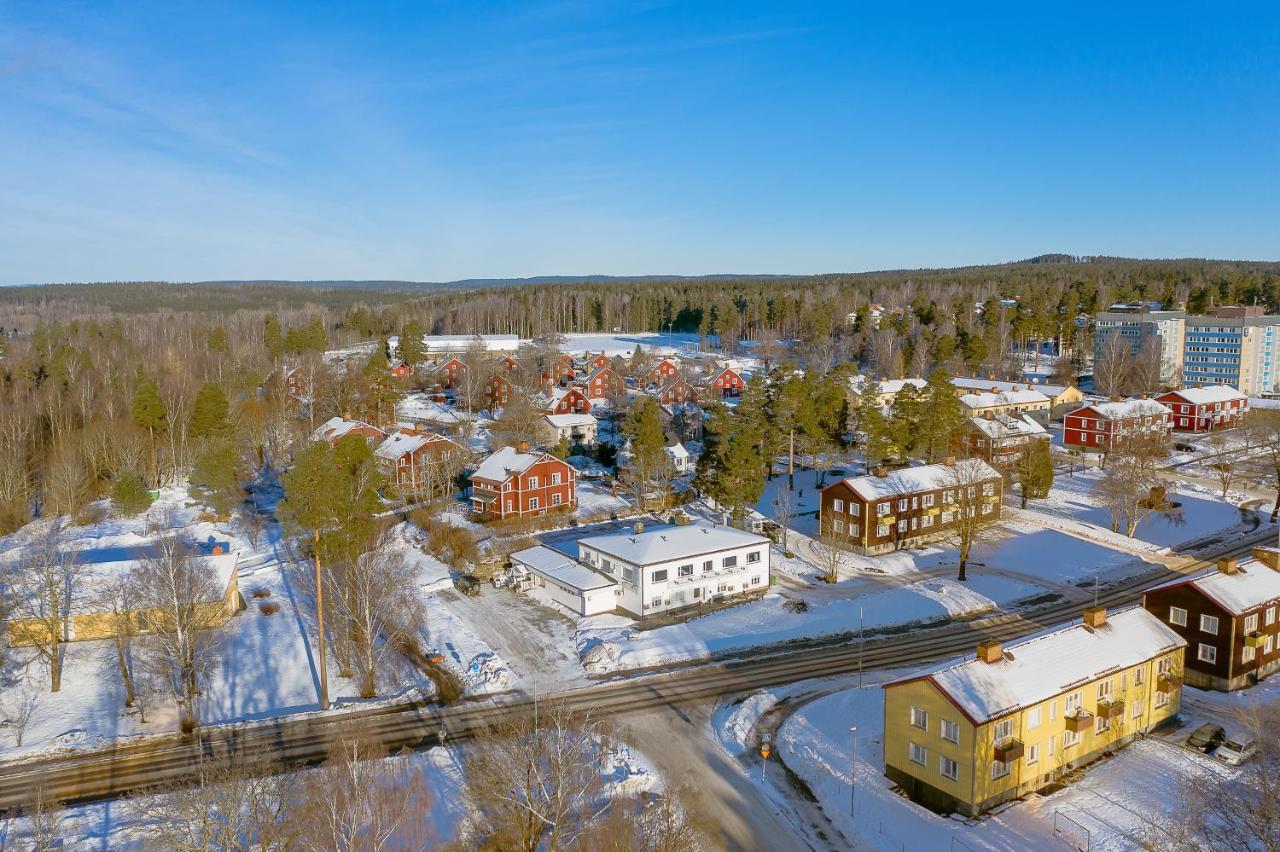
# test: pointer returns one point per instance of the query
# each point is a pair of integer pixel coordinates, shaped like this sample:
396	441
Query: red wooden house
562	369
515	483
508	362
599	362
676	391
417	461
1103	426
728	382
664	369
603	382
401	370
448	373
570	400
1204	409
336	428
499	389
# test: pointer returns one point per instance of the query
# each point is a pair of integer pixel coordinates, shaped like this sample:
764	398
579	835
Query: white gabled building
563	579
669	567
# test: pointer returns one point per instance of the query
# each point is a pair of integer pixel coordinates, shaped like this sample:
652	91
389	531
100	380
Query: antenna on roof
1095	589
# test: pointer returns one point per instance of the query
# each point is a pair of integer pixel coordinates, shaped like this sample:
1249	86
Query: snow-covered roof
678	451
987	384
419	407
987	399
1128	408
400	443
94	575
1209	394
889	386
667	543
1055	662
564	421
504	462
1252	585
910	480
335	427
463	342
1007	426
554	565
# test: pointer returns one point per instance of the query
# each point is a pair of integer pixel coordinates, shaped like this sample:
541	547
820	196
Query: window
655	602
1165	665
1209	624
1002	730
629	574
1071	703
1033	754
555	479
755	581
605	565
950	731
882	530
1104	690
533	482
919	718
1053	745
988	489
685	571
753	556
1101	724
1247	654
917	753
1033	719
1162	698
729	562
1251	623
854	529
902	525
927	500
708	566
556	499
902	505
999	769
1139	677
926	521
659	576
1207	653
1271	643
883	509
948	768
837	505
1271	616
1069	738
1178	616
1136	708
533	502
1053	712
987	508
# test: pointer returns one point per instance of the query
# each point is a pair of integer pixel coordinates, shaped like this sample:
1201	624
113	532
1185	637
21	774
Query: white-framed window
1053	711
1135	708
926	521
533	482
755	581
1207	653
883	509
988	489
557	499
1101	724
1251	623
917	753
659	576
1104	690
837	526
1053	745
555	479
902	505
950	731
685	571
656	602
1002	730
927	501
902	525
882	529
948	768
854	529
1139	676
1178	616
1033	754
837	505
919	717
999	769
1247	654
1271	616
1209	624
987	508
1164	665
1162	698
753	556
1033	718
533	502
1071	703
708	566
1271	643
1070	738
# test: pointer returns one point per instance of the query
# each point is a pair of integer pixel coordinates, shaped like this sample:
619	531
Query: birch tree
47	585
973	514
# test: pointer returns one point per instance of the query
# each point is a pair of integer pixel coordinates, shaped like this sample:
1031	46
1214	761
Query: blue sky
434	141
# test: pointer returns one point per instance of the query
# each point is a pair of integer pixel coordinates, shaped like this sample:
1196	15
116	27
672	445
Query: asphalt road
293	741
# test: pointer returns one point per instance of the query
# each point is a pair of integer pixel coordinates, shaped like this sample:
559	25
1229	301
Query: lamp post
853	771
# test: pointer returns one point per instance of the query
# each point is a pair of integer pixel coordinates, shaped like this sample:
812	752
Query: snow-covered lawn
1114	799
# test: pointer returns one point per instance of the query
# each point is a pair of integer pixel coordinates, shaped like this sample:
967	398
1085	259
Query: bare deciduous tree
1131	488
19	707
971	500
46	587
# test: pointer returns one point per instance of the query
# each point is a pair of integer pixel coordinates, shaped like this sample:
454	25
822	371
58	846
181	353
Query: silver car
1234	752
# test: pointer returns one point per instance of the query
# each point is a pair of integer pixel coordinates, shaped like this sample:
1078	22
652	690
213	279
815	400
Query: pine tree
209	413
943	416
129	494
218	341
411	351
643	430
217	476
273	337
315	337
148	412
1035	471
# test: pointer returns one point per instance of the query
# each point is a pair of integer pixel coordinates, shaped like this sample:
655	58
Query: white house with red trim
514	482
1102	426
1204	409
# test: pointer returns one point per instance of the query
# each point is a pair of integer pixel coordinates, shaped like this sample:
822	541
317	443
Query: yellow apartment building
1012	720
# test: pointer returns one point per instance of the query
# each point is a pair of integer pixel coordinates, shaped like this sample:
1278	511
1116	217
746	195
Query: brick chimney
639	527
522	446
990	651
1115	397
995	389
1227	565
1268	556
1095	616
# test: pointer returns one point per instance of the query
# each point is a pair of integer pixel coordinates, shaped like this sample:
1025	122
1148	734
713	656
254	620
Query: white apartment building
669	567
1140	326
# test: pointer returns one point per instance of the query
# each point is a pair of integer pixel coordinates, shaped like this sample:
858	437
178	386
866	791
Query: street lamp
853	771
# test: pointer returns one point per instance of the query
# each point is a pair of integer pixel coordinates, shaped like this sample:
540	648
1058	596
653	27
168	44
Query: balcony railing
1079	721
1008	751
1256	640
1111	709
1168	681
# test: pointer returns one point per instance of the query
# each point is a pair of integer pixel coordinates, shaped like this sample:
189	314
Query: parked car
1234	752
1205	737
467	584
1185	448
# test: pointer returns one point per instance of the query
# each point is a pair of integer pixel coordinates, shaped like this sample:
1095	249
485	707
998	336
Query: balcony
1256	640
1081	720
1008	751
1112	709
1169	682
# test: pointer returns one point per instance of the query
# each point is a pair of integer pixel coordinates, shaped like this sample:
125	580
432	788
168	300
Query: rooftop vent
1227	565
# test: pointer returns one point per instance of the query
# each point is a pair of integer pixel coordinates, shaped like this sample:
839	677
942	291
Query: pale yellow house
1062	398
1013	720
91	618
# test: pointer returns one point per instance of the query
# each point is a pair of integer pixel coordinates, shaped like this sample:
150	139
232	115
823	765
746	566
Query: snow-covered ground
1114	799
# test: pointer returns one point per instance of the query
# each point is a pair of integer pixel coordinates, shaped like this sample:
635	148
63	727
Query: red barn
676	391
569	400
664	369
1204	409
728	382
1102	426
602	382
499	390
419	461
515	483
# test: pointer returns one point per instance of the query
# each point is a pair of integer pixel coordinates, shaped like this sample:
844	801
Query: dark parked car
1206	737
467	584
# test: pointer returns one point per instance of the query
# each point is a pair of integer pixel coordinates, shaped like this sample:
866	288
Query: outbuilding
563	579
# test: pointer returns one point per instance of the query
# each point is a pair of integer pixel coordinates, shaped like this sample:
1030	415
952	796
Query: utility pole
853	771
791	462
324	668
860	646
